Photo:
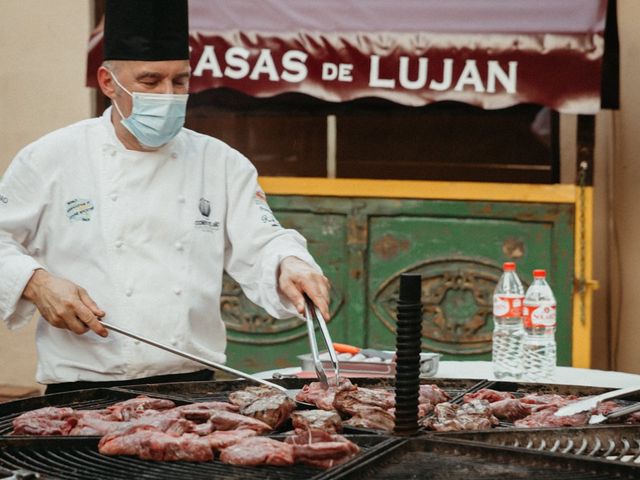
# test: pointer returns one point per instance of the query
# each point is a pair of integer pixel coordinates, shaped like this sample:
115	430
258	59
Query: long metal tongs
592	402
313	315
600	418
194	358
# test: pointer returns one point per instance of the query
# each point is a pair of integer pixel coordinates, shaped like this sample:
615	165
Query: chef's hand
64	304
297	277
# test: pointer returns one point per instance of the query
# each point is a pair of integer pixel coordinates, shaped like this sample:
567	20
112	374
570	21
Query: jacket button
129	292
177	290
114	197
174	342
179	246
181	198
119	243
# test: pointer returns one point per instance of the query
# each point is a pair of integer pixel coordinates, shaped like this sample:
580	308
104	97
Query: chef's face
170	76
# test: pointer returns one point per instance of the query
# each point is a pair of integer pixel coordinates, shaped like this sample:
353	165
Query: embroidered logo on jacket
205	224
79	209
3	199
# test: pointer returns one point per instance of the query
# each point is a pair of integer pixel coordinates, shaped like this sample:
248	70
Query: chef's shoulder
217	153
62	147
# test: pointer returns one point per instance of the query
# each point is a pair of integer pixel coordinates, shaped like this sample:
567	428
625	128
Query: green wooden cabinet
364	245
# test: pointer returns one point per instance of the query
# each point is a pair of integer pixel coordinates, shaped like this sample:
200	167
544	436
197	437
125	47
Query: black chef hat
148	30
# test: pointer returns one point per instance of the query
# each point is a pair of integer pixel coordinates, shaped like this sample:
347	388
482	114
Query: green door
364	245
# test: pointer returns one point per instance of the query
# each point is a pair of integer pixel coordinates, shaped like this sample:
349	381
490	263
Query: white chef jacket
148	235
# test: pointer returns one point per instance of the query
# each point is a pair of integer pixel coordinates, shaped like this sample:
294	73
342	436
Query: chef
132	218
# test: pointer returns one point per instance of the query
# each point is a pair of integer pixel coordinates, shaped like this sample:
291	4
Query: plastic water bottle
540	329
508	332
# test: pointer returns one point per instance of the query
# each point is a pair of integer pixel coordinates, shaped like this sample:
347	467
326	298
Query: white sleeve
255	241
21	205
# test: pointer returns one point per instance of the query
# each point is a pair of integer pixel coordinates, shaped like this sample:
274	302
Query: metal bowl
428	365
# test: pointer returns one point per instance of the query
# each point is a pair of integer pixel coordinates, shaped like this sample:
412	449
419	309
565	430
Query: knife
592	402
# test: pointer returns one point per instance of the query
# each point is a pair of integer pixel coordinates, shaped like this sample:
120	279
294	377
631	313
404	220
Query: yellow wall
42	53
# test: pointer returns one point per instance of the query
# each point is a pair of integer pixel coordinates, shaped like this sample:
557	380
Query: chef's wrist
37	278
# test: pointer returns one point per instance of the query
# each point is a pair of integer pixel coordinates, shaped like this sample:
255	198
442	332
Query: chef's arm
63	303
24	284
271	263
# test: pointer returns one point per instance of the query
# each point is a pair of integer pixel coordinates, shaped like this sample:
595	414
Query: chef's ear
105	80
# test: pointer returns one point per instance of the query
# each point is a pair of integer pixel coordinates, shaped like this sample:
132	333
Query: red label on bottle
507	305
541	315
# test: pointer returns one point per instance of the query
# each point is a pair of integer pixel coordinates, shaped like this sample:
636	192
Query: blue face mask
155	117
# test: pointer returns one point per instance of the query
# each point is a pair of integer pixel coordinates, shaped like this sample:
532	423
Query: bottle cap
539	273
509	267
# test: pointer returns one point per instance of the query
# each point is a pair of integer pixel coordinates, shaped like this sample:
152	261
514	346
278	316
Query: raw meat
351	401
510	409
432	395
45	421
317	420
475	415
150	444
488	395
223	439
547	399
374	418
135	407
258	451
267	404
546	418
322	396
222	420
321	449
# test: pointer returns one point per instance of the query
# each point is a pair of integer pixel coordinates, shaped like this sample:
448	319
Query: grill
597	452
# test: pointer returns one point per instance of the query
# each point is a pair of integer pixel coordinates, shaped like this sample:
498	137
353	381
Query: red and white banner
488	53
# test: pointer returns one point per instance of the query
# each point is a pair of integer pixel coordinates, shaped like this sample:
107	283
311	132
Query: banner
488	53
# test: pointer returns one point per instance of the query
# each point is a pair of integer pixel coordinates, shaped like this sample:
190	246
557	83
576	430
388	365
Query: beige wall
625	169
42	53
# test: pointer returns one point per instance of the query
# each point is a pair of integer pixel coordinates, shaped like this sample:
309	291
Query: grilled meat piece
374	418
321	449
322	396
45	421
316	420
432	395
546	418
222	420
510	409
475	415
548	399
258	451
150	444
351	401
168	421
263	403
487	394
223	439
135	407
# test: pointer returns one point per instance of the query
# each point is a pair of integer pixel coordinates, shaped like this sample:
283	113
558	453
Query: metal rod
194	358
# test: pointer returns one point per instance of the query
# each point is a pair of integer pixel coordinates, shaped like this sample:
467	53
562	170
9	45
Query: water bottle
508	332
540	328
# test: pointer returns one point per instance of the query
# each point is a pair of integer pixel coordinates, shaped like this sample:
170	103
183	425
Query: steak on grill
258	451
316	420
223	439
487	394
510	409
370	417
432	394
475	415
321	449
266	404
322	396
353	400
222	420
150	444
45	421
135	407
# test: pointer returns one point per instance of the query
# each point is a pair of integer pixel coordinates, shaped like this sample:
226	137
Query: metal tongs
592	402
194	358
313	315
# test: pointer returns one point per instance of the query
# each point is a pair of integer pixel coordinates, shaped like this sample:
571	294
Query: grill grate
612	444
78	459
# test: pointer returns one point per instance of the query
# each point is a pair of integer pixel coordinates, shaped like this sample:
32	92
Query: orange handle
344	348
